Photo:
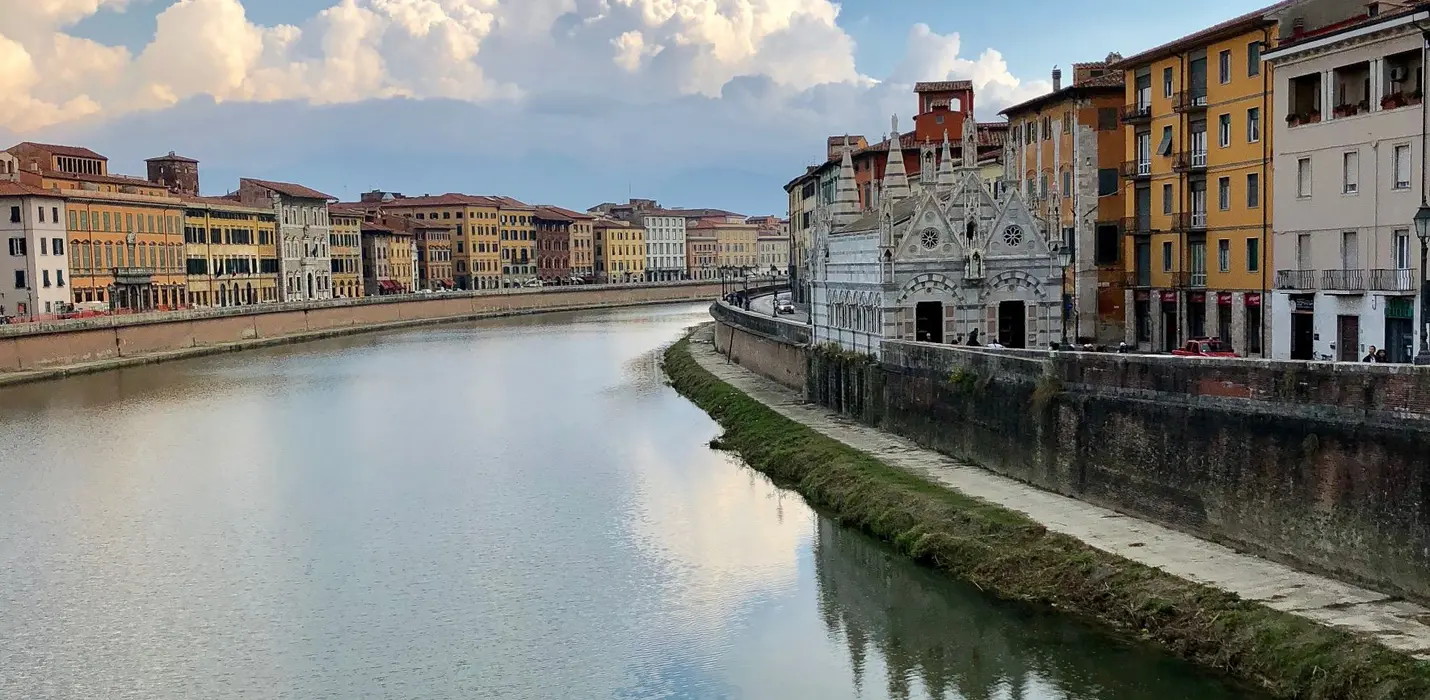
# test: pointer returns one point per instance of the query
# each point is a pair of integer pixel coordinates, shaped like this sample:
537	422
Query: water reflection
506	509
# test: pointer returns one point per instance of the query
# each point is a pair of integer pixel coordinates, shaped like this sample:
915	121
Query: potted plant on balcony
1295	119
1313	117
1416	97
1394	100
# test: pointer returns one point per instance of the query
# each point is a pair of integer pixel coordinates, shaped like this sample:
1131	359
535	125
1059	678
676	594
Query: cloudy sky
695	102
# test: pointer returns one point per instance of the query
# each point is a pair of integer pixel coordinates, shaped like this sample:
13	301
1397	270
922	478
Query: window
1167	83
1107	119
1253	58
45	278
40	211
1067	183
1164	147
1402	167
1067	122
57	246
1303	177
44	247
1253	125
1107	181
1166	256
17	246
1223	255
1253	254
1350	172
1107	245
1224	130
1401	251
20	280
14	215
1224	63
1166	199
1223	193
1253	190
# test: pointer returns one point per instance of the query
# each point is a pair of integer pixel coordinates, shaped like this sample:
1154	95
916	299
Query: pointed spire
970	142
846	190
945	169
896	181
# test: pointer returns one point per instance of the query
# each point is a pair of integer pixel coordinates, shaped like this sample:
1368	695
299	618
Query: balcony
1296	279
1137	279
133	275
1136	113
1190	161
1137	169
1188	101
1139	224
1343	280
1391	280
1189	222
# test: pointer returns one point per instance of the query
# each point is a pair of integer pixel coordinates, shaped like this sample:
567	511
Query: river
517	508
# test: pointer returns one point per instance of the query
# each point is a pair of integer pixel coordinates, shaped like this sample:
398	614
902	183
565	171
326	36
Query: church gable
1015	233
928	234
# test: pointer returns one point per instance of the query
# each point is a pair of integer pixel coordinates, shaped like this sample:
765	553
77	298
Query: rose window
929	239
1013	236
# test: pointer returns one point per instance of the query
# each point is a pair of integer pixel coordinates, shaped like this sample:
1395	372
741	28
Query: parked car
533	283
1205	347
784	307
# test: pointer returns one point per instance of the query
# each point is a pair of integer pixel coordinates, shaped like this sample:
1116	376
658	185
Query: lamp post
1064	259
1422	230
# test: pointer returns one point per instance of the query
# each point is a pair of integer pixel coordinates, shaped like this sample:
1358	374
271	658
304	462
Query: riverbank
110	363
1013	556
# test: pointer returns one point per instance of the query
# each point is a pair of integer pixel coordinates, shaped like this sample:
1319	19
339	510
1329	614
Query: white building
664	246
35	261
936	262
774	247
1348	167
304	260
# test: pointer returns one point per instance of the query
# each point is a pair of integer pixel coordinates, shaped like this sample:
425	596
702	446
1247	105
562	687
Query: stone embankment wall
1322	466
771	347
41	346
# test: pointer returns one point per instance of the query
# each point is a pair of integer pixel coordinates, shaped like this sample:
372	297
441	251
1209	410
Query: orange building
1063	153
126	233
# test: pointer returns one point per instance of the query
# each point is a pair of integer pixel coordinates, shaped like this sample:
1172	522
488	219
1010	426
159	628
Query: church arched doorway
928	322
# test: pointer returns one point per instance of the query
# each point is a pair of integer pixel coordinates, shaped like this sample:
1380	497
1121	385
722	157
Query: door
1399	339
1302	336
1169	326
1347	338
1012	320
928	322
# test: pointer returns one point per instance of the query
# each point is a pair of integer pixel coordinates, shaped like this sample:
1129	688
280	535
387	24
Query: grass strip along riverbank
1006	554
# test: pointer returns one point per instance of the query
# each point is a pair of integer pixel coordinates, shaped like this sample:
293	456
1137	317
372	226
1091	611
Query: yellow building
345	246
1197	168
231	254
737	243
620	251
126	242
476	233
518	241
387	256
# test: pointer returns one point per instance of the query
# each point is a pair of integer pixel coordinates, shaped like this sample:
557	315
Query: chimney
1057	79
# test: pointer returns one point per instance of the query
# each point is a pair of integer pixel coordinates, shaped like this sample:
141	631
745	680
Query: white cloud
468	50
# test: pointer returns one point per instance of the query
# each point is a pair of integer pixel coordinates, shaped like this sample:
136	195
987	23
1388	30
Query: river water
508	509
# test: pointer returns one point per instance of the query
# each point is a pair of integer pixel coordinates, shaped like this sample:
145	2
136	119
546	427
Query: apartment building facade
619	251
702	251
231	253
305	264
476	234
553	246
1348	182
1063	152
517	223
345	246
1196	174
35	262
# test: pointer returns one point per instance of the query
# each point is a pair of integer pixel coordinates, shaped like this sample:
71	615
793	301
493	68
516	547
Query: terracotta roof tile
450	199
289	189
71	151
941	85
575	215
9	188
510	203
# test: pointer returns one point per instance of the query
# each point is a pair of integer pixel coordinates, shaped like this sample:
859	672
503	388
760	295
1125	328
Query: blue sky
695	102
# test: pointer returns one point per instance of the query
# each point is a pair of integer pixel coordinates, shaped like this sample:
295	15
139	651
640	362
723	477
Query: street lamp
1064	259
1422	230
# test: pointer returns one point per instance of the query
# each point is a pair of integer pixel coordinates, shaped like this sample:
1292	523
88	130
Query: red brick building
553	246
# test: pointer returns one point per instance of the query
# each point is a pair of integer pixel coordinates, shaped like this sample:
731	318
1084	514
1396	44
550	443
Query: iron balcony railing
1344	280
1295	279
1137	169
1138	278
1400	280
1189	280
1186	161
1190	101
1137	112
1140	223
1189	221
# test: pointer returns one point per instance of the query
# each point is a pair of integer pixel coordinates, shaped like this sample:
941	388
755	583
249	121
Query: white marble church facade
933	262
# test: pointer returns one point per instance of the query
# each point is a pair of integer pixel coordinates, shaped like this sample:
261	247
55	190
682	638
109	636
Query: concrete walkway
1396	624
